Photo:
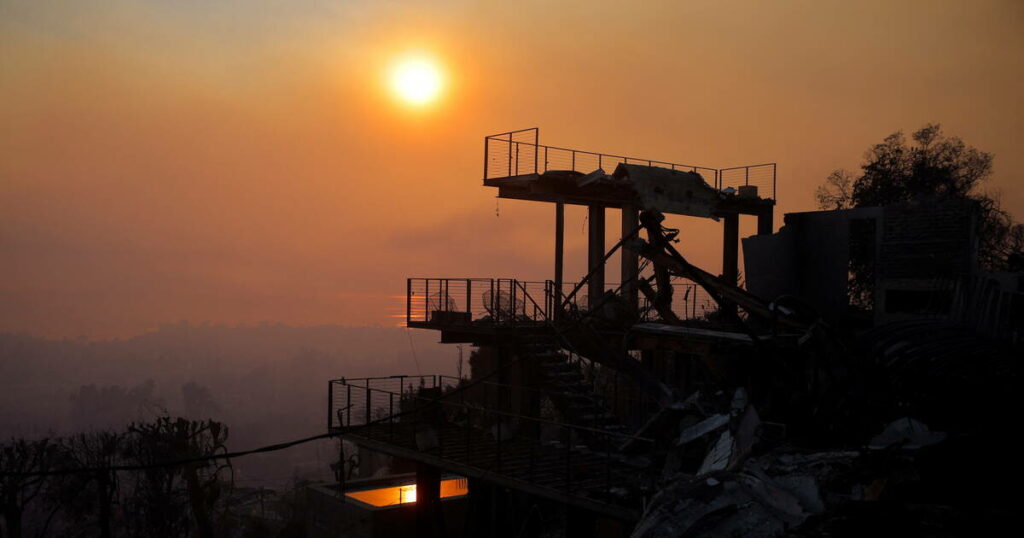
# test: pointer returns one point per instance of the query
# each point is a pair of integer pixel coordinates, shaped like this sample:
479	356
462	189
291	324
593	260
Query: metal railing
343	410
456	426
517	153
761	176
504	301
507	301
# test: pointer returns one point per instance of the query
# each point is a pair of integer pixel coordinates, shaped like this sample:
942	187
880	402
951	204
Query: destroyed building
679	402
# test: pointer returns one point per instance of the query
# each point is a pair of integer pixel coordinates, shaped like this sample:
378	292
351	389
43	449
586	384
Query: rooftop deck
516	159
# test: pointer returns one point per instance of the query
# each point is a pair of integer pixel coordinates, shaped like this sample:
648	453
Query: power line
175	463
241	453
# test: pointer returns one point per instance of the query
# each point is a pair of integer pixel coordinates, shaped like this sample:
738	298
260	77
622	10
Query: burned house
661	404
876	265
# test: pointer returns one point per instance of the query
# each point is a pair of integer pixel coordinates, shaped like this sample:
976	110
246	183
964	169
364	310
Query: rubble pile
728	473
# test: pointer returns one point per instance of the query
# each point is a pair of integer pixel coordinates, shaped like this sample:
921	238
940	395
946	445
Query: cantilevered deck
464	308
523	169
434	421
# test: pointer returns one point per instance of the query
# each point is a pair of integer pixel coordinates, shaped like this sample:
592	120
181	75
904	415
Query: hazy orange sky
241	161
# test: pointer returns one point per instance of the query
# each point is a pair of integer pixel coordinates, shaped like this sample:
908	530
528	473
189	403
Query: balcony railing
517	153
501	301
472	433
507	301
355	401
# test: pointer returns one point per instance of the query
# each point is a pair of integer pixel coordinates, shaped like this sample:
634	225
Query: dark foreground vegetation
172	394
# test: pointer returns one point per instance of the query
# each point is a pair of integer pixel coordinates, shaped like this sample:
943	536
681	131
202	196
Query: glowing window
405	494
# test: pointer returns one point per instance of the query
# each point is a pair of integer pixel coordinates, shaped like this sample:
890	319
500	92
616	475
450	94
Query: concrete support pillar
730	248
730	251
595	254
559	257
630	257
765	222
429	518
480	516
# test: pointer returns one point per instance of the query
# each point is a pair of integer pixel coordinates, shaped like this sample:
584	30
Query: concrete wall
920	253
809	258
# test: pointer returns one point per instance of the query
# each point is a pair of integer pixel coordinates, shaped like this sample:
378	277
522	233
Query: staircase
562	380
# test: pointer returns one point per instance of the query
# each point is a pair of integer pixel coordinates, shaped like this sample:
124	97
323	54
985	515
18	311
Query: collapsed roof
658	188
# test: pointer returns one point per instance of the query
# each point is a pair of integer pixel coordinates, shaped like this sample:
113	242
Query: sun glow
417	80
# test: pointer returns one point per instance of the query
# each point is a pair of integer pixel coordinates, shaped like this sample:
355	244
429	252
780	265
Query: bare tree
934	166
176	439
837	192
93	494
19	489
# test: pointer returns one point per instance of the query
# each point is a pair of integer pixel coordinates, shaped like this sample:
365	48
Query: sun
417	80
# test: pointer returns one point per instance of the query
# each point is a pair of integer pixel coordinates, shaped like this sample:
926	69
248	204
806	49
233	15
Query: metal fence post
517	158
367	401
348	404
426	299
330	405
491	308
511	300
536	151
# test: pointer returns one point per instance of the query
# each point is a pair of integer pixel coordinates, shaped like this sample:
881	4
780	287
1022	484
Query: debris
739	400
596	175
720	455
703	428
748	431
905	433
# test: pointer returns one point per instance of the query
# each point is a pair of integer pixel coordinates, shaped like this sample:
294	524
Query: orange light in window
406	494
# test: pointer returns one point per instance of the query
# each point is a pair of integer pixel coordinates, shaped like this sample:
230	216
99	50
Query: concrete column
595	254
730	248
479	512
630	257
730	251
765	222
429	518
559	256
